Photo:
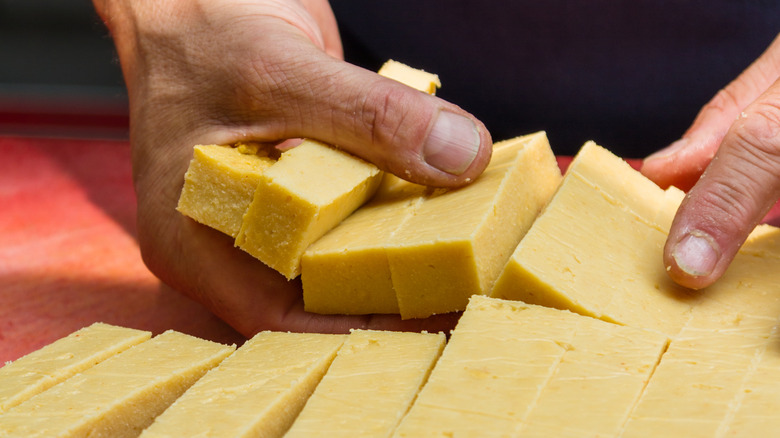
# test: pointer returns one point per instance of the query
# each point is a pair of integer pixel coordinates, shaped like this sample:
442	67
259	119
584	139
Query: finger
734	194
322	13
416	136
682	163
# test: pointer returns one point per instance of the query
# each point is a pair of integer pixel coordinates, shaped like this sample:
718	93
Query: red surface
68	254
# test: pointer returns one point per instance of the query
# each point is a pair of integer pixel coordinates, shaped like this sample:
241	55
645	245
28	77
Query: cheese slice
457	241
307	192
257	391
119	396
310	190
591	253
699	379
44	368
347	271
417	79
370	385
513	369
220	183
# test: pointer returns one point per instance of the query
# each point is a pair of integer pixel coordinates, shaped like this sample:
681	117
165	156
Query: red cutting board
68	253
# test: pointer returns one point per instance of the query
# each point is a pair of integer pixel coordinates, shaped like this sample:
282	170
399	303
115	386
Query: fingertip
692	260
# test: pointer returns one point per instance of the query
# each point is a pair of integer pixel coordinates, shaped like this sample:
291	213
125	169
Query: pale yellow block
417	79
589	254
307	192
257	391
493	369
120	396
370	385
219	185
764	241
346	271
700	378
598	381
44	368
457	241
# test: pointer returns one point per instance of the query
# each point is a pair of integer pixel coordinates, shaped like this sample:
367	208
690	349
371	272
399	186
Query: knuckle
385	114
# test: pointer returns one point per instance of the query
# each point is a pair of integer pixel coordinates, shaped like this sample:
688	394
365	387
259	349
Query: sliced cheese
120	396
310	190
370	385
591	253
699	379
257	391
512	369
220	183
457	241
346	271
307	192
44	368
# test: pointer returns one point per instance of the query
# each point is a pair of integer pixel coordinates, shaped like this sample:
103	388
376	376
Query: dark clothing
629	74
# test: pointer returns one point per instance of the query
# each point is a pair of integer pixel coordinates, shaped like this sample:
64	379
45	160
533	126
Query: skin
222	71
730	160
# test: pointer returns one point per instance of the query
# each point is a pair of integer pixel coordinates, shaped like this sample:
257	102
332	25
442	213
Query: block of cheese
220	182
120	396
346	271
308	191
311	189
44	368
257	391
700	379
370	385
512	369
592	253
418	79
457	241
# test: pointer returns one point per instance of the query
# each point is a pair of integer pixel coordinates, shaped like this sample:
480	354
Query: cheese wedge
257	391
120	396
307	192
346	271
370	385
44	368
592	252
511	369
220	183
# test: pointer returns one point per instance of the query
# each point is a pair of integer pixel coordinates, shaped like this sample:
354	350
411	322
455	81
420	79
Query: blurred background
59	75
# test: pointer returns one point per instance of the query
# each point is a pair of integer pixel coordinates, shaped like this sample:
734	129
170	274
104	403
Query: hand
736	137
220	71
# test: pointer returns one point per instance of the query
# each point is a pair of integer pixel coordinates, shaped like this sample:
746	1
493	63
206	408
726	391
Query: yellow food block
257	391
457	241
307	192
418	79
512	369
44	368
346	271
220	184
370	385
700	379
591	253
120	396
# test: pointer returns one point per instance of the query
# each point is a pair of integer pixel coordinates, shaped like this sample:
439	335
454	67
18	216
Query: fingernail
696	254
452	144
669	150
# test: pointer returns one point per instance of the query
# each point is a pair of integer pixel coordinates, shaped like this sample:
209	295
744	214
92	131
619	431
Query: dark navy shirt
629	74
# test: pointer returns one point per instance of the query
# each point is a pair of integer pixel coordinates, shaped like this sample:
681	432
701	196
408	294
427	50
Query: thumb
737	190
409	133
682	163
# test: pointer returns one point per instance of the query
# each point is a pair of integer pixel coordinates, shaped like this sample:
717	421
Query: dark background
629	74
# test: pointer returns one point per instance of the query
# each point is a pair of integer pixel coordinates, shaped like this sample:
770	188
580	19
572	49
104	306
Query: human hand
204	72
736	138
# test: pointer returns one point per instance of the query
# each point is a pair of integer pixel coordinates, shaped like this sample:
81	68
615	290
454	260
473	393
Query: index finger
735	192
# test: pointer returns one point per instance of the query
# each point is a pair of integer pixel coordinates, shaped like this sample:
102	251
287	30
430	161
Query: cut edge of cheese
62	359
415	78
